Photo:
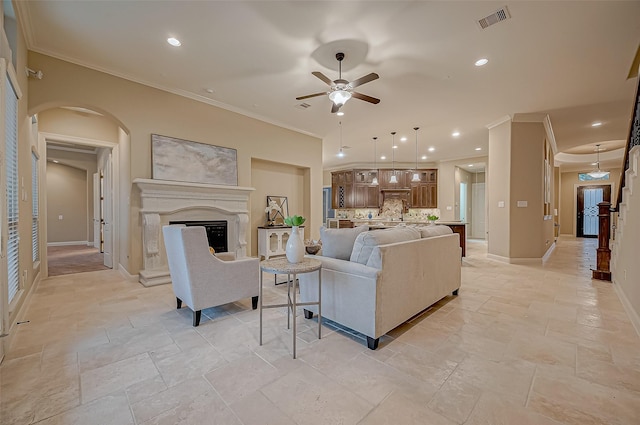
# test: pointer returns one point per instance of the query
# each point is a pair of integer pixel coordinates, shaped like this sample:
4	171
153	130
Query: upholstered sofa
388	276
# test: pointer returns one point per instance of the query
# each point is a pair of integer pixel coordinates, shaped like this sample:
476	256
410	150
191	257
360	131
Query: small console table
272	240
283	266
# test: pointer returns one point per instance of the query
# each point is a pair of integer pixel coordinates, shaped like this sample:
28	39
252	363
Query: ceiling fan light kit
342	90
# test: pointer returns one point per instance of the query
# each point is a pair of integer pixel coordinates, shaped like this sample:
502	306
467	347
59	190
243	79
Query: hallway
521	344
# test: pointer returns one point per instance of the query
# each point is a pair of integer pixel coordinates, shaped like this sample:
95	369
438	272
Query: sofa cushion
338	243
437	230
365	242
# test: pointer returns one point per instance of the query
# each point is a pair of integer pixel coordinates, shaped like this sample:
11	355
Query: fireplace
216	232
165	202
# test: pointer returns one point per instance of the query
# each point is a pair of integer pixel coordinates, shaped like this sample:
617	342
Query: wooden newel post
603	253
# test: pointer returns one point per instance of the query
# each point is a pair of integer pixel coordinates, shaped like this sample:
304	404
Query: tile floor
521	344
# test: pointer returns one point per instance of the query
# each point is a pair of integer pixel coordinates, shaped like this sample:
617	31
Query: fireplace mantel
162	201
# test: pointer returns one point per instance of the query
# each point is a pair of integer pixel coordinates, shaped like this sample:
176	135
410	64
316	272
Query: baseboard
633	315
20	317
127	275
68	243
547	254
510	260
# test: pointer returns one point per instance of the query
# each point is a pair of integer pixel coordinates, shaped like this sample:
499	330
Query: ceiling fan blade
323	77
362	80
311	95
334	108
365	97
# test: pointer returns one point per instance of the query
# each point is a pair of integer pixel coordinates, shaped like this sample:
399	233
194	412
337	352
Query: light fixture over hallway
598	173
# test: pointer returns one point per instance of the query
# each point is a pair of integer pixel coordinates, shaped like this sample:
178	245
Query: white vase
295	247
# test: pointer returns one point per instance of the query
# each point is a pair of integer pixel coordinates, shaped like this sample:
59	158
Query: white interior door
463	202
478	230
107	214
96	210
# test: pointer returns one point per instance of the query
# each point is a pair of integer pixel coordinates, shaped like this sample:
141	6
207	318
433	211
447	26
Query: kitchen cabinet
342	189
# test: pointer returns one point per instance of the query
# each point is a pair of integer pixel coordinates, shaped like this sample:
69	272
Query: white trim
55	137
93	151
514	260
67	243
547	254
130	277
633	315
551	137
21	313
499	121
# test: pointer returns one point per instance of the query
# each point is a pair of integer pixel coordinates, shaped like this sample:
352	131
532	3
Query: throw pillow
437	230
365	242
212	251
338	243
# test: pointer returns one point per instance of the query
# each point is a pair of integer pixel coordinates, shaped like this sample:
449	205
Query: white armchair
200	279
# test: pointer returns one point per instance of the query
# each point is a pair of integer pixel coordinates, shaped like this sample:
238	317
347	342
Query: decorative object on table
295	246
277	209
186	161
312	246
432	218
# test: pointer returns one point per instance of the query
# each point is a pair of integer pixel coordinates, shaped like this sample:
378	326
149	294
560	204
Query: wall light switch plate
449	207
522	204
60	217
500	204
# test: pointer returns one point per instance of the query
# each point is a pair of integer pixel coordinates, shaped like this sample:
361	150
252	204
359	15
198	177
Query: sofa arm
345	266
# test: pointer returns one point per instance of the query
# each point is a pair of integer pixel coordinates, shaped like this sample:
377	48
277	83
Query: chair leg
254	302
196	317
178	303
308	314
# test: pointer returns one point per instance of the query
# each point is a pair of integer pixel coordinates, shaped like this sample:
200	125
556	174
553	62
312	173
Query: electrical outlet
60	217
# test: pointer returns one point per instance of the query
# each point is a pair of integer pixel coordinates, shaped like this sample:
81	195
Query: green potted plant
432	218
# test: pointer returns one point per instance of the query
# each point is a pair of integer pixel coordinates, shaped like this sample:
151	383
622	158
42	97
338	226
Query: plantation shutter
11	158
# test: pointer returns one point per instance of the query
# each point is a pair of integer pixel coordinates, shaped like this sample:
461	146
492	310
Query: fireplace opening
216	232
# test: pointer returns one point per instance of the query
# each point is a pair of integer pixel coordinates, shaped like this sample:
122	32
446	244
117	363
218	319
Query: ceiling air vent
303	105
497	16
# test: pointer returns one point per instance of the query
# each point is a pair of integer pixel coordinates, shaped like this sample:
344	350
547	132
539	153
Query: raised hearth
165	201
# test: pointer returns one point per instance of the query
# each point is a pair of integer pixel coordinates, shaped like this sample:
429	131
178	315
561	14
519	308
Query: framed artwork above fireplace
185	161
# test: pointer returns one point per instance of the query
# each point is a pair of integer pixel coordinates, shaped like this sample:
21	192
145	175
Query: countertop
380	222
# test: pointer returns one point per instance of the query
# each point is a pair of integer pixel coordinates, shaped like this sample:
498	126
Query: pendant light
416	176
340	152
393	178
374	182
598	173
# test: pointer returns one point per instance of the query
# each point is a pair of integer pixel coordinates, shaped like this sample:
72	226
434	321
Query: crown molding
499	121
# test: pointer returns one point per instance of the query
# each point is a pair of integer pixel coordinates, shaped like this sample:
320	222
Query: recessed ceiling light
455	133
395	146
481	62
340	113
431	149
403	139
174	42
424	156
470	165
478	149
594	163
596	124
209	90
383	157
55	161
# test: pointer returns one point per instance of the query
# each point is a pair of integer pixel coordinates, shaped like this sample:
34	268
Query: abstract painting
186	161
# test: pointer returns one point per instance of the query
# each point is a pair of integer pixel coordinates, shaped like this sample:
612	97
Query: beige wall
568	193
67	197
141	111
527	238
78	124
271	178
498	190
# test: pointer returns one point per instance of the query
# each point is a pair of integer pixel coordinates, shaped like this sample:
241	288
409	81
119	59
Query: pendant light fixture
416	176
598	173
393	178
374	182
340	153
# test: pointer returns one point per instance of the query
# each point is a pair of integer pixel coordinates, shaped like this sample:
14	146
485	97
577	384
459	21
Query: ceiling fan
342	90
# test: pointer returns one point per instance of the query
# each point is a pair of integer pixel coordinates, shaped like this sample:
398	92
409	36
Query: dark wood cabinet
353	188
460	229
342	189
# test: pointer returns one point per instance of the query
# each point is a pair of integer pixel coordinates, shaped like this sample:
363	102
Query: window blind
11	165
34	202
